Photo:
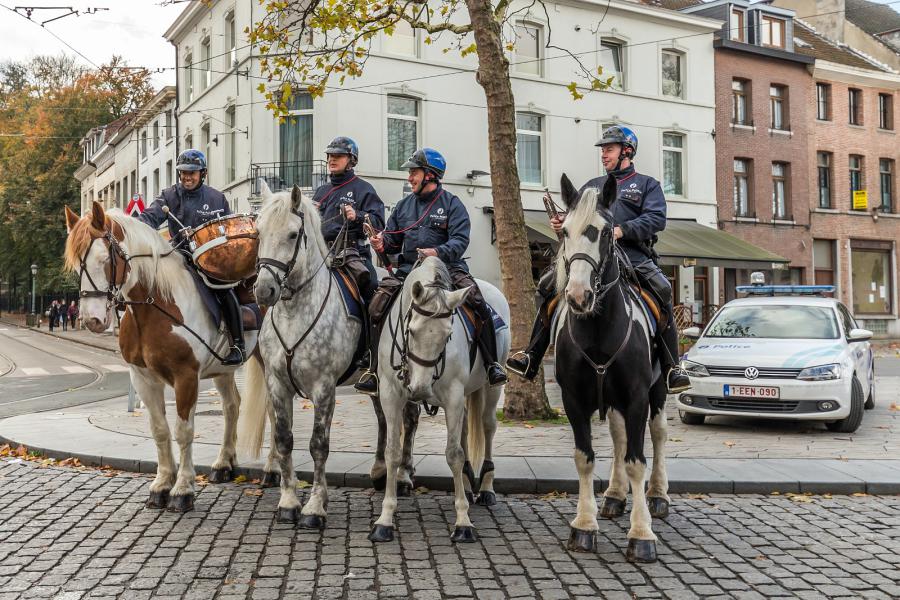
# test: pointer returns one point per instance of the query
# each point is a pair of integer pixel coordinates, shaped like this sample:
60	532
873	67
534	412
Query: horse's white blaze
659	480
618	481
586	512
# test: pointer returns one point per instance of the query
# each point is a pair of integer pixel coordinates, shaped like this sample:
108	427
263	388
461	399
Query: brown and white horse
166	335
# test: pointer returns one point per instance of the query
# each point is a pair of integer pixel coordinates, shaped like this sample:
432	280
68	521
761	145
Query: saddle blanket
648	312
353	305
468	319
215	310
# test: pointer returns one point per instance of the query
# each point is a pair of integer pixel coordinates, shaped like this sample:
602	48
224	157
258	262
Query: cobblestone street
70	533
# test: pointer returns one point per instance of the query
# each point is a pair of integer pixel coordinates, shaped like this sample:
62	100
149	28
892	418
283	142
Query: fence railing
308	174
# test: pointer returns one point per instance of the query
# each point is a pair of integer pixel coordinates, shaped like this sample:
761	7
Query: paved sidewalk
103	341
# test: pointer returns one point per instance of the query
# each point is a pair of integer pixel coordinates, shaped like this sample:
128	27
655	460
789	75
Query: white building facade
413	94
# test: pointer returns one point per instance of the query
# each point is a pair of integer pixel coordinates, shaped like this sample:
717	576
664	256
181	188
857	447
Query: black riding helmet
619	134
344	145
192	160
428	159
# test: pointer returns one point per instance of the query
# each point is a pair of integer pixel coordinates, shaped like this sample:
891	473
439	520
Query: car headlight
694	369
821	373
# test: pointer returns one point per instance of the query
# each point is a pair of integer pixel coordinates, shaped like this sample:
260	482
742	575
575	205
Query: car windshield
780	321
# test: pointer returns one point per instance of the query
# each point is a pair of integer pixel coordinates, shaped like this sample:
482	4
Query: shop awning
538	227
688	241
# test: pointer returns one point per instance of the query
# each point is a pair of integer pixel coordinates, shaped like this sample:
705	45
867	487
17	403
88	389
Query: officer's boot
527	363
368	381
487	343
677	380
231	314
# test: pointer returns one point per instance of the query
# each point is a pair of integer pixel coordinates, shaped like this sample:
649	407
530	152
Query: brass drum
225	249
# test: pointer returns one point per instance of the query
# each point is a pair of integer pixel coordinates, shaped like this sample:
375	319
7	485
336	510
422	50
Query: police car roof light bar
790	290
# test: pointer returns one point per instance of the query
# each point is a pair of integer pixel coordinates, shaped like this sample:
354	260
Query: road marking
115	368
76	369
34	371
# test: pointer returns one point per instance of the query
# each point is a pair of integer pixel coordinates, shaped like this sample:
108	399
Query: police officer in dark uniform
431	222
193	203
347	196
639	213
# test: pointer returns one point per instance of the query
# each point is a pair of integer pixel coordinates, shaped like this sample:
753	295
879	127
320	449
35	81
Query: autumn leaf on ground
728	443
554	495
421	490
674	439
201	480
21	451
253	492
529	426
775	494
69	462
303	484
255	481
859	494
698	496
894	406
240	479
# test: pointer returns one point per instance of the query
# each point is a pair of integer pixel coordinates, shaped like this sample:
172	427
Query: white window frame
542	139
527	69
230	50
189	76
156	135
780	197
746	175
206	63
206	143
683	152
681	55
387	40
420	107
622	45
230	145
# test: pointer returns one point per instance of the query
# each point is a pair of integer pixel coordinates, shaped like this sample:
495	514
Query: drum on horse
604	363
167	336
424	356
308	342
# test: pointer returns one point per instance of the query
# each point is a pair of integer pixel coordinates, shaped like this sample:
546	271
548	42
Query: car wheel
870	401
852	421
691	418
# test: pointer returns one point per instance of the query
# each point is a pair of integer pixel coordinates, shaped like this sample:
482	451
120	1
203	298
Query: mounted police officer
429	222
640	213
193	203
347	196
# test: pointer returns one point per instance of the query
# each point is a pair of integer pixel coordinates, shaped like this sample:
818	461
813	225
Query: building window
230	151
403	129
204	144
402	40
612	63
772	32
206	73
125	189
823	262
295	135
529	146
737	25
673	164
823	101
778	107
144	188
740	102
854	99
672	73
188	78
886	177
856	175
133	180
155	183
885	111
230	41
156	134
144	144
779	190
870	271
170	127
528	49
168	173
823	160
119	194
742	188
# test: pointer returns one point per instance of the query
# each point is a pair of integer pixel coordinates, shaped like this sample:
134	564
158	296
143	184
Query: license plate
751	391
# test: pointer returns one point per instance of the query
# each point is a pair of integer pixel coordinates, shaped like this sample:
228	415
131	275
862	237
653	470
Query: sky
131	28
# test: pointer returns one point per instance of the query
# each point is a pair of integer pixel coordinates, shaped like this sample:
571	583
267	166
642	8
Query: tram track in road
6	361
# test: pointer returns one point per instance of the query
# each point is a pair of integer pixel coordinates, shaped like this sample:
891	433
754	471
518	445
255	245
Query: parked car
781	352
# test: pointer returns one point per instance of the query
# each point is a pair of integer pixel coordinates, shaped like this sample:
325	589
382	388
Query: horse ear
608	194
98	217
296	197
569	192
418	292
264	190
71	219
457	297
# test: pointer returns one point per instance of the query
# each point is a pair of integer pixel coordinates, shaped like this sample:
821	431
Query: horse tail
475	432
252	420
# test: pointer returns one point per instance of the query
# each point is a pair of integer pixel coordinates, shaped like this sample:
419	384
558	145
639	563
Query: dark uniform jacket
193	208
639	210
347	188
436	220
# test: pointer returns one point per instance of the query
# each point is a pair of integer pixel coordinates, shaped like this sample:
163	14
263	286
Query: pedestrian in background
73	314
63	315
54	314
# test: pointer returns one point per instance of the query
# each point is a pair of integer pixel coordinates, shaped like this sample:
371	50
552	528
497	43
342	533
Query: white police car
782	352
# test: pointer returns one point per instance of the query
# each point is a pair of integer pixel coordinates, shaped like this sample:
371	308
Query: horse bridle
599	288
112	292
287	291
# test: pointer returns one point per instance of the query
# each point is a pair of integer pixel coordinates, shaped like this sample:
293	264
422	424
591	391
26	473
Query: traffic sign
136	206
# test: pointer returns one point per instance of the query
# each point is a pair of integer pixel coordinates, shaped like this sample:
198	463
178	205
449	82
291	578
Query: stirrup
520	355
365	377
681	388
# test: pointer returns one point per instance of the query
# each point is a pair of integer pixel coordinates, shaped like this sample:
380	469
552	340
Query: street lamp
34	320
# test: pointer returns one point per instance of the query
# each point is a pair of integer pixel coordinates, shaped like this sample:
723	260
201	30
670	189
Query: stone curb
96	346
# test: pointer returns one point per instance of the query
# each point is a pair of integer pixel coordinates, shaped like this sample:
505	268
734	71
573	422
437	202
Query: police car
781	352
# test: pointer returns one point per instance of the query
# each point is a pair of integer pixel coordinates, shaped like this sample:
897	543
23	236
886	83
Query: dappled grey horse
424	356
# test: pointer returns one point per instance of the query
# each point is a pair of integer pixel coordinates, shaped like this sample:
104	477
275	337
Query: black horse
604	363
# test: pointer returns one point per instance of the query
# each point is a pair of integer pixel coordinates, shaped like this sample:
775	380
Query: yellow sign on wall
860	200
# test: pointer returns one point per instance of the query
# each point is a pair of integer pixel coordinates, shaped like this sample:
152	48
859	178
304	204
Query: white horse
307	342
424	356
167	336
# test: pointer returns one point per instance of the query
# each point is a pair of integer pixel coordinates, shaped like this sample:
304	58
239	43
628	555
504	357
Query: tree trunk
524	400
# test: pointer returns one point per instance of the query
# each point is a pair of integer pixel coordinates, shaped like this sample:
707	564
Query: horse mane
577	221
280	207
162	276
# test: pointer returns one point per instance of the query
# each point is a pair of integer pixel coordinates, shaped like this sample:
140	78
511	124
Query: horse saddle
355	308
651	308
251	315
473	324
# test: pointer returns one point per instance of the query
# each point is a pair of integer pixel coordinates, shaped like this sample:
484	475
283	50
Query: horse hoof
582	541
470	498
641	551
404	489
270	479
464	535
379	483
181	504
158	499
222	475
286	515
382	533
612	507
487	498
312	522
659	507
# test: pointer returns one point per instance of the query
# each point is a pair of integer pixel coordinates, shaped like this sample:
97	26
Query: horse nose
586	299
264	294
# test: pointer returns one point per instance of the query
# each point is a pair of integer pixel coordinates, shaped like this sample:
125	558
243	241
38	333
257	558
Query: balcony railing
307	174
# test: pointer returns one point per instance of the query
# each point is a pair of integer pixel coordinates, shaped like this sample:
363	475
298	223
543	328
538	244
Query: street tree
306	45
